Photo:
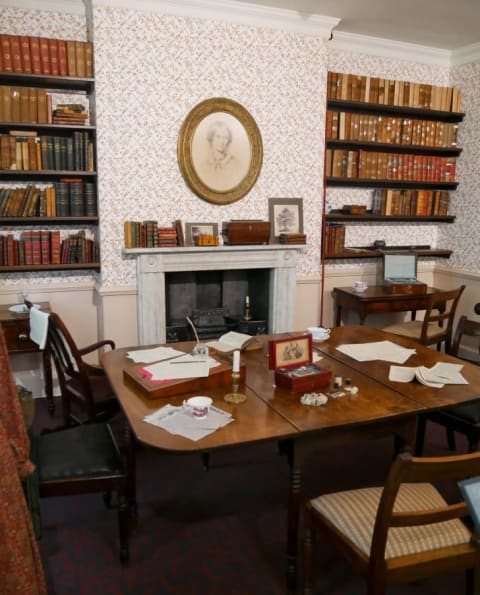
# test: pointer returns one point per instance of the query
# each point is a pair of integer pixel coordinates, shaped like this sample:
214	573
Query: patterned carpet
215	532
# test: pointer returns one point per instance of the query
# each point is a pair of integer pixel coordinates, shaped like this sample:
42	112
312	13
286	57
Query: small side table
16	328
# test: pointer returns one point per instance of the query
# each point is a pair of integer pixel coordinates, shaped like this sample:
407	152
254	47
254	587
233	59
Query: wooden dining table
379	408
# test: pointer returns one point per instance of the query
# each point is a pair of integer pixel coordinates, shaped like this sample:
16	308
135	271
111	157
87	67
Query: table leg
338	315
129	450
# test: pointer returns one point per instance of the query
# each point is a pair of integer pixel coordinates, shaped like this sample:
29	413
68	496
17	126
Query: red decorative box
291	358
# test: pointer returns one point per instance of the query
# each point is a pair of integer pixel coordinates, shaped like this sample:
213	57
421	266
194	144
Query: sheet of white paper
156	354
378	350
171	371
401	373
179	422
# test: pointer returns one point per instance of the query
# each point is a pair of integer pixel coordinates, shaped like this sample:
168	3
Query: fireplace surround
153	265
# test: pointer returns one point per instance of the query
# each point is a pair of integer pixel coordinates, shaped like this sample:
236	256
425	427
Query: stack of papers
435	377
157	354
180	422
379	350
186	366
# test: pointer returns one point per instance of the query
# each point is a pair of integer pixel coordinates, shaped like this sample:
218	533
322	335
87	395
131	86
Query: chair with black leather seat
81	383
464	419
402	532
437	326
84	459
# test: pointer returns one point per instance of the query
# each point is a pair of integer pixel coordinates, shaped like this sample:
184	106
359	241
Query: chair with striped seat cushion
403	532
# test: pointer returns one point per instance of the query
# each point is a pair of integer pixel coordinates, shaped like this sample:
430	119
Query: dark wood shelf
48	220
44	173
339	216
394	110
56	128
95	266
366	252
401	184
352	145
62	83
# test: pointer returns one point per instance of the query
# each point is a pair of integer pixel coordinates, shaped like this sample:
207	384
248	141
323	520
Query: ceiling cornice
263	16
390	49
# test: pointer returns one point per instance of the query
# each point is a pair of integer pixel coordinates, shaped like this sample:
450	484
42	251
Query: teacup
360	286
319	333
198	406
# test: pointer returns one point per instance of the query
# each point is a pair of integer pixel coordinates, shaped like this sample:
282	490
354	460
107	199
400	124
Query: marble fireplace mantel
153	263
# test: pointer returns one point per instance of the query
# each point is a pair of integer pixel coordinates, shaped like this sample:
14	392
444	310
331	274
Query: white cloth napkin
180	422
38	327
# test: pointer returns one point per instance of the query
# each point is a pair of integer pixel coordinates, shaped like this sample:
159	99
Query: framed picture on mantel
197	229
286	216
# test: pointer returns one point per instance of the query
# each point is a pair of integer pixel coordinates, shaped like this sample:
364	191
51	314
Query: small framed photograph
290	352
192	230
286	216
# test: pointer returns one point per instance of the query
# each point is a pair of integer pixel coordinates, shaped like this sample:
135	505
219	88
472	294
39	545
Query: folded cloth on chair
38	327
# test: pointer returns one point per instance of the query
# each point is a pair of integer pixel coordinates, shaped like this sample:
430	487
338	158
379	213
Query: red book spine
16	53
62	57
25	54
6	53
35	55
45	55
53	53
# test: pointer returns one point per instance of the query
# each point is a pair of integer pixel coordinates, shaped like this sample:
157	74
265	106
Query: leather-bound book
25	54
16	53
45	55
80	58
6	51
62	57
35	55
53	52
88	50
71	60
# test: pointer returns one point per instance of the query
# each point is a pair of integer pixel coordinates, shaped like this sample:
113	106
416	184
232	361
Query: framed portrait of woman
220	150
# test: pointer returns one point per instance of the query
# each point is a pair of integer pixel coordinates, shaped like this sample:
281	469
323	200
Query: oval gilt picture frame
220	150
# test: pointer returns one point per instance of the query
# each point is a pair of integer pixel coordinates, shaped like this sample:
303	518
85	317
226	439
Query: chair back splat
83	386
405	531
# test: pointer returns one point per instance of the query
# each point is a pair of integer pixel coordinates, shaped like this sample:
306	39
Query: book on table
233	341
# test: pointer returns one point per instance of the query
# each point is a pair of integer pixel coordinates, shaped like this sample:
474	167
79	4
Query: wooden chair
464	419
83	459
401	533
437	326
81	383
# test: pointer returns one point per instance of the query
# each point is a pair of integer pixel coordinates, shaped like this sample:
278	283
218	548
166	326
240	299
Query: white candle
236	361
247	301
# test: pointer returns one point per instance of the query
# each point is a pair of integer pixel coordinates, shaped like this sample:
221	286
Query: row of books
34	105
29	54
23	150
390	130
422	203
34	247
373	165
334	239
66	198
382	91
148	234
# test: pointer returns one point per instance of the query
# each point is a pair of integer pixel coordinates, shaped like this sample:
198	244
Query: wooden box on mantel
246	232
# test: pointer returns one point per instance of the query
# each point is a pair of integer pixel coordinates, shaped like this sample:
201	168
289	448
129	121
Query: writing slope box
143	386
246	232
291	358
399	273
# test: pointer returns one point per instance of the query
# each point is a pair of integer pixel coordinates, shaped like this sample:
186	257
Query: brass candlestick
235	397
246	311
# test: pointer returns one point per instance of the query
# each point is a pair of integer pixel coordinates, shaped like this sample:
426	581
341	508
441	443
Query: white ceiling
443	24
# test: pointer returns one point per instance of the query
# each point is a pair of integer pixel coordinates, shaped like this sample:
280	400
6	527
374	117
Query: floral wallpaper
151	69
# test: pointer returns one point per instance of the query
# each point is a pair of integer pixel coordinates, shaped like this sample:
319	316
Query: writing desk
380	408
375	300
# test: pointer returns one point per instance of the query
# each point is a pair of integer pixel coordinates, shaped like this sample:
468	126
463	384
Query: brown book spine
71	60
88	59
16	53
62	57
15	95
42	107
32	105
35	55
24	104
80	58
45	55
6	53
53	53
55	246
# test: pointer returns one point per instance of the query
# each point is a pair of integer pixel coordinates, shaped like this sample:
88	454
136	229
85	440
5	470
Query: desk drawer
17	335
